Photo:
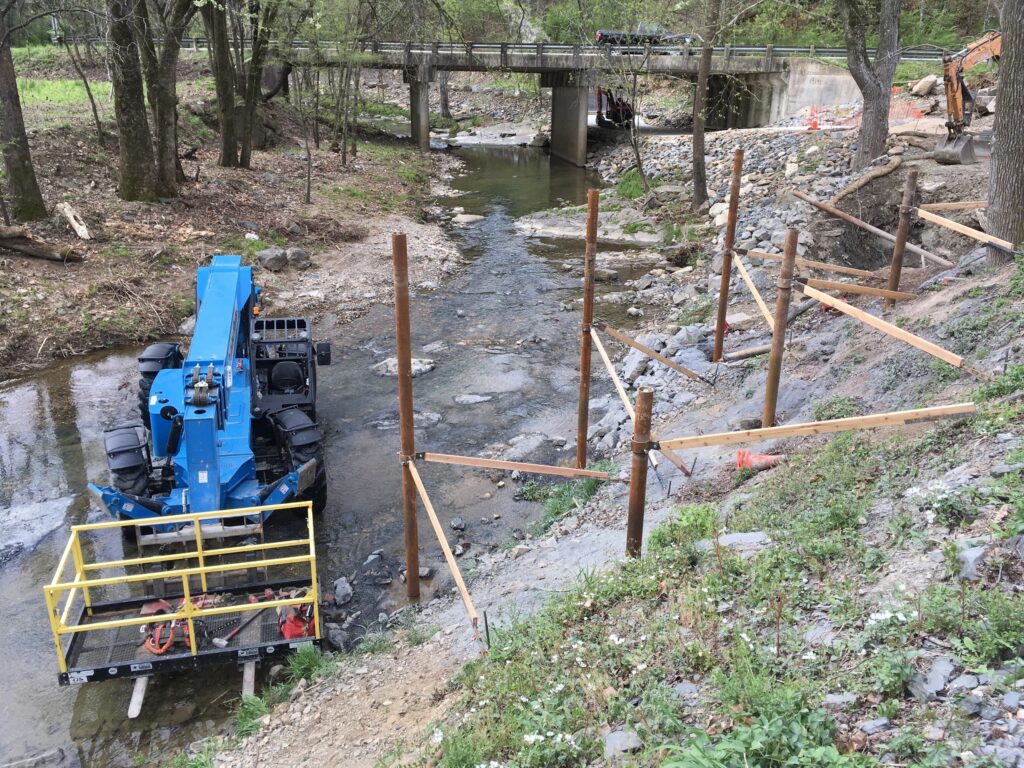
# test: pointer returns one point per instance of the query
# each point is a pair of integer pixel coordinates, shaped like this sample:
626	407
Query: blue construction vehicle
231	423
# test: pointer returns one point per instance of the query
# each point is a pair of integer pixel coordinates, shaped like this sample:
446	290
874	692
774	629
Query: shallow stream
506	365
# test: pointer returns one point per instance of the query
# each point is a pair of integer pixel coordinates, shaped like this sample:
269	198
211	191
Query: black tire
145	384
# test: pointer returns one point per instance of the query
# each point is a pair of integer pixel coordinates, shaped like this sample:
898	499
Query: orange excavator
957	148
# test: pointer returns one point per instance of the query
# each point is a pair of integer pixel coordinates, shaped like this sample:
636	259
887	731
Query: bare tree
874	80
215	20
1006	190
700	103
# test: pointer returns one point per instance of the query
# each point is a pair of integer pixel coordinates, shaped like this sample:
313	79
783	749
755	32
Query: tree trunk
442	86
700	102
216	24
262	19
874	81
160	66
26	199
136	169
1006	185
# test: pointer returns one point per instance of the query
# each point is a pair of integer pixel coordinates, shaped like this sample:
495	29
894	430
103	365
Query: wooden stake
589	259
956	226
863	290
138	696
407	433
675	460
966	205
540	469
631	342
868	228
730	242
439	531
875	322
806	429
785	283
249	679
756	294
638	472
819	265
902	230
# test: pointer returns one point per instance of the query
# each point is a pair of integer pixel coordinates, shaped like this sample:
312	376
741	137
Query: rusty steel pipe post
785	286
638	472
407	433
730	242
589	259
896	269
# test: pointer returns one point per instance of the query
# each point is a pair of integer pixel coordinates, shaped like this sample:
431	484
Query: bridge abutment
419	80
569	101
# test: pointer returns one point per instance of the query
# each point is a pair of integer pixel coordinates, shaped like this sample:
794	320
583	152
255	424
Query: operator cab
284	371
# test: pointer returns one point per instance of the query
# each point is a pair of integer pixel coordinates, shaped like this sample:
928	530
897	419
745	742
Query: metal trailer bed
211	587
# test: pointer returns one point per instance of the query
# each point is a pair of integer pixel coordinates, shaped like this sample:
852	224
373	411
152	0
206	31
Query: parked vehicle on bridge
647	33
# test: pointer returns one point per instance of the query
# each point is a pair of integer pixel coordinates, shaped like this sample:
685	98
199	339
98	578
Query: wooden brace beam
965	205
875	322
448	556
894	418
629	341
964	230
818	265
755	293
833	285
540	469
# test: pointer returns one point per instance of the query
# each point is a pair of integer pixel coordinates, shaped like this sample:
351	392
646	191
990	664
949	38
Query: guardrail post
51	611
540	53
730	242
728	51
76	551
902	230
407	435
186	604
785	283
768	55
504	55
199	552
641	445
589	257
434	49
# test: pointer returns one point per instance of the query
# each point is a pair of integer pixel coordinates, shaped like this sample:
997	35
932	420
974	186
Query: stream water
506	360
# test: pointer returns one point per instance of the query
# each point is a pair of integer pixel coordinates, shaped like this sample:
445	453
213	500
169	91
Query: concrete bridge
750	84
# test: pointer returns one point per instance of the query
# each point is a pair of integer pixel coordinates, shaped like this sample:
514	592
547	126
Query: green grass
59	92
563	498
247	719
376	643
699	311
630	186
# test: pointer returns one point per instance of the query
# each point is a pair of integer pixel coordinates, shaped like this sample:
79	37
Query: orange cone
757	462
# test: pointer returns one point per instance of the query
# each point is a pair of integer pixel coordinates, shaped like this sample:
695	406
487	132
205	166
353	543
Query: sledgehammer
222	642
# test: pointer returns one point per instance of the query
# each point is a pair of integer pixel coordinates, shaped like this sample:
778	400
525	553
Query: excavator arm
957	148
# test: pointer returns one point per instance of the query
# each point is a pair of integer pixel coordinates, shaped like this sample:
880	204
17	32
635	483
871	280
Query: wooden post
407	434
589	257
771	389
902	230
730	242
638	472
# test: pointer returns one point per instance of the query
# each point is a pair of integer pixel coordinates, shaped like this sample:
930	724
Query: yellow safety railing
82	583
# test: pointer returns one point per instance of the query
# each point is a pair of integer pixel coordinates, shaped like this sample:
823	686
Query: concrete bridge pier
419	80
569	101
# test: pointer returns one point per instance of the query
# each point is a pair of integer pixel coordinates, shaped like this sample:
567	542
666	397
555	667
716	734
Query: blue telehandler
232	422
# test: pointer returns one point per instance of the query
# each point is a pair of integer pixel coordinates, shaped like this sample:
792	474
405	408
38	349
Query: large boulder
273	258
925	85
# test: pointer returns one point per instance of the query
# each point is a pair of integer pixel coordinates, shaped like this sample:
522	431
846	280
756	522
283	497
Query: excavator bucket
956	151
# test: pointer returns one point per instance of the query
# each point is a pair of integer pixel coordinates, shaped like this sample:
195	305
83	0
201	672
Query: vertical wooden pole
785	283
638	472
902	230
589	259
407	434
730	242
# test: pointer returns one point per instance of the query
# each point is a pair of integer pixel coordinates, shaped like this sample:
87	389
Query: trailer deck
162	612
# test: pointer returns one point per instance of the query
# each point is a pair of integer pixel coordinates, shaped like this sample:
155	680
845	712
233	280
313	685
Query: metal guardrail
932	53
82	583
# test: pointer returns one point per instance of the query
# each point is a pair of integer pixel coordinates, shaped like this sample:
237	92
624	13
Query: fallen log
21	240
74	220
